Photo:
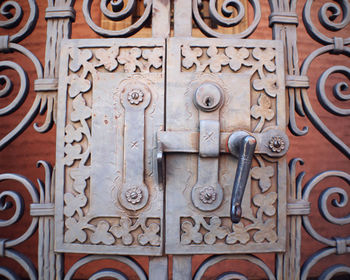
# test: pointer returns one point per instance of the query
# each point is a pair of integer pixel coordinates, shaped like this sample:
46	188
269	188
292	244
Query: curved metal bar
328	23
124	13
316	121
48	105
23	261
35	199
227	22
232	276
321	93
22	92
315	258
130	30
111	273
343	200
218	258
125	260
306	194
8	273
210	32
29	117
30	24
13	19
31	56
292	124
333	270
7	205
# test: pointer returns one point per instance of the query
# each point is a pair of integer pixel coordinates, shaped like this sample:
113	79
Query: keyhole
208	101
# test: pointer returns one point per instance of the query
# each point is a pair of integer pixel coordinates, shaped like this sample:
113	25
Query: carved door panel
217	87
110	100
111	145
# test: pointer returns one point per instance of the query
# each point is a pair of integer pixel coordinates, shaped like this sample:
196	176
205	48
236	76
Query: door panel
199	171
111	96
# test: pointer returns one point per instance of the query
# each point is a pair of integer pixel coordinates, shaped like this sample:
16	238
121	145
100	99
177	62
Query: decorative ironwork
196	230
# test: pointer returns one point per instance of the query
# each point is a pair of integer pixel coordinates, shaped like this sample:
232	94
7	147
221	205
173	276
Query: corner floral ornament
133	195
207	195
276	144
135	96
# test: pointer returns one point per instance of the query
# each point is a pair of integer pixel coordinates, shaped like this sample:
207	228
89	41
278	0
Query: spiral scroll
228	8
119	12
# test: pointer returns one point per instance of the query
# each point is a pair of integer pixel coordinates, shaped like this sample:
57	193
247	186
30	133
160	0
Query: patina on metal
142	163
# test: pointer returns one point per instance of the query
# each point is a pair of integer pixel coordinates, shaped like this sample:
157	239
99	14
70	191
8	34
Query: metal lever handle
242	146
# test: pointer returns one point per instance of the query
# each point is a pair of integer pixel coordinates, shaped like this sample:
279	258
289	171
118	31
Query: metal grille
317	194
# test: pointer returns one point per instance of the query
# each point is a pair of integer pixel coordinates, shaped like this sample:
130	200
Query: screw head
277	144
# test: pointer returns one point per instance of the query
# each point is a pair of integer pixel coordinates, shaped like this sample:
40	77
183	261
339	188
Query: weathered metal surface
198	220
111	96
264	110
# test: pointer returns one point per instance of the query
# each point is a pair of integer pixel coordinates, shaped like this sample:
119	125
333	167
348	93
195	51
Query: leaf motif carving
265	57
123	230
153	56
129	58
72	134
240	234
190	233
263	174
267	83
266	232
237	57
150	235
77	85
215	230
190	56
79	57
262	111
80	110
101	234
265	202
73	203
108	57
74	231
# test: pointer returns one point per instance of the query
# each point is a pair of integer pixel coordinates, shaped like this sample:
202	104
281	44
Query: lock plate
250	74
111	103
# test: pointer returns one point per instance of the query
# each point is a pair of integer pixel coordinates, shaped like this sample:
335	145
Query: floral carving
123	230
262	111
263	174
79	57
267	83
74	231
277	144
135	96
150	235
207	195
237	57
154	57
239	234
190	56
108	58
190	233
77	219
73	203
265	202
134	195
265	57
101	234
77	85
215	230
266	231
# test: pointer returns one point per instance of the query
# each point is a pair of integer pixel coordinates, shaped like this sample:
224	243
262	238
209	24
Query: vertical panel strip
182	18
161	18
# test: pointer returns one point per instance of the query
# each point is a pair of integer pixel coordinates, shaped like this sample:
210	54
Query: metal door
174	145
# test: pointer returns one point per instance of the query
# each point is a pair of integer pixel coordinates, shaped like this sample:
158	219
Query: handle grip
242	146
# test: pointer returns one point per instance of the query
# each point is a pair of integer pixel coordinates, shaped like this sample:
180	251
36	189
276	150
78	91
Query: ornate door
174	145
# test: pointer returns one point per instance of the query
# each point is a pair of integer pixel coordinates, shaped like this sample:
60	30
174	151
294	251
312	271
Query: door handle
241	145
